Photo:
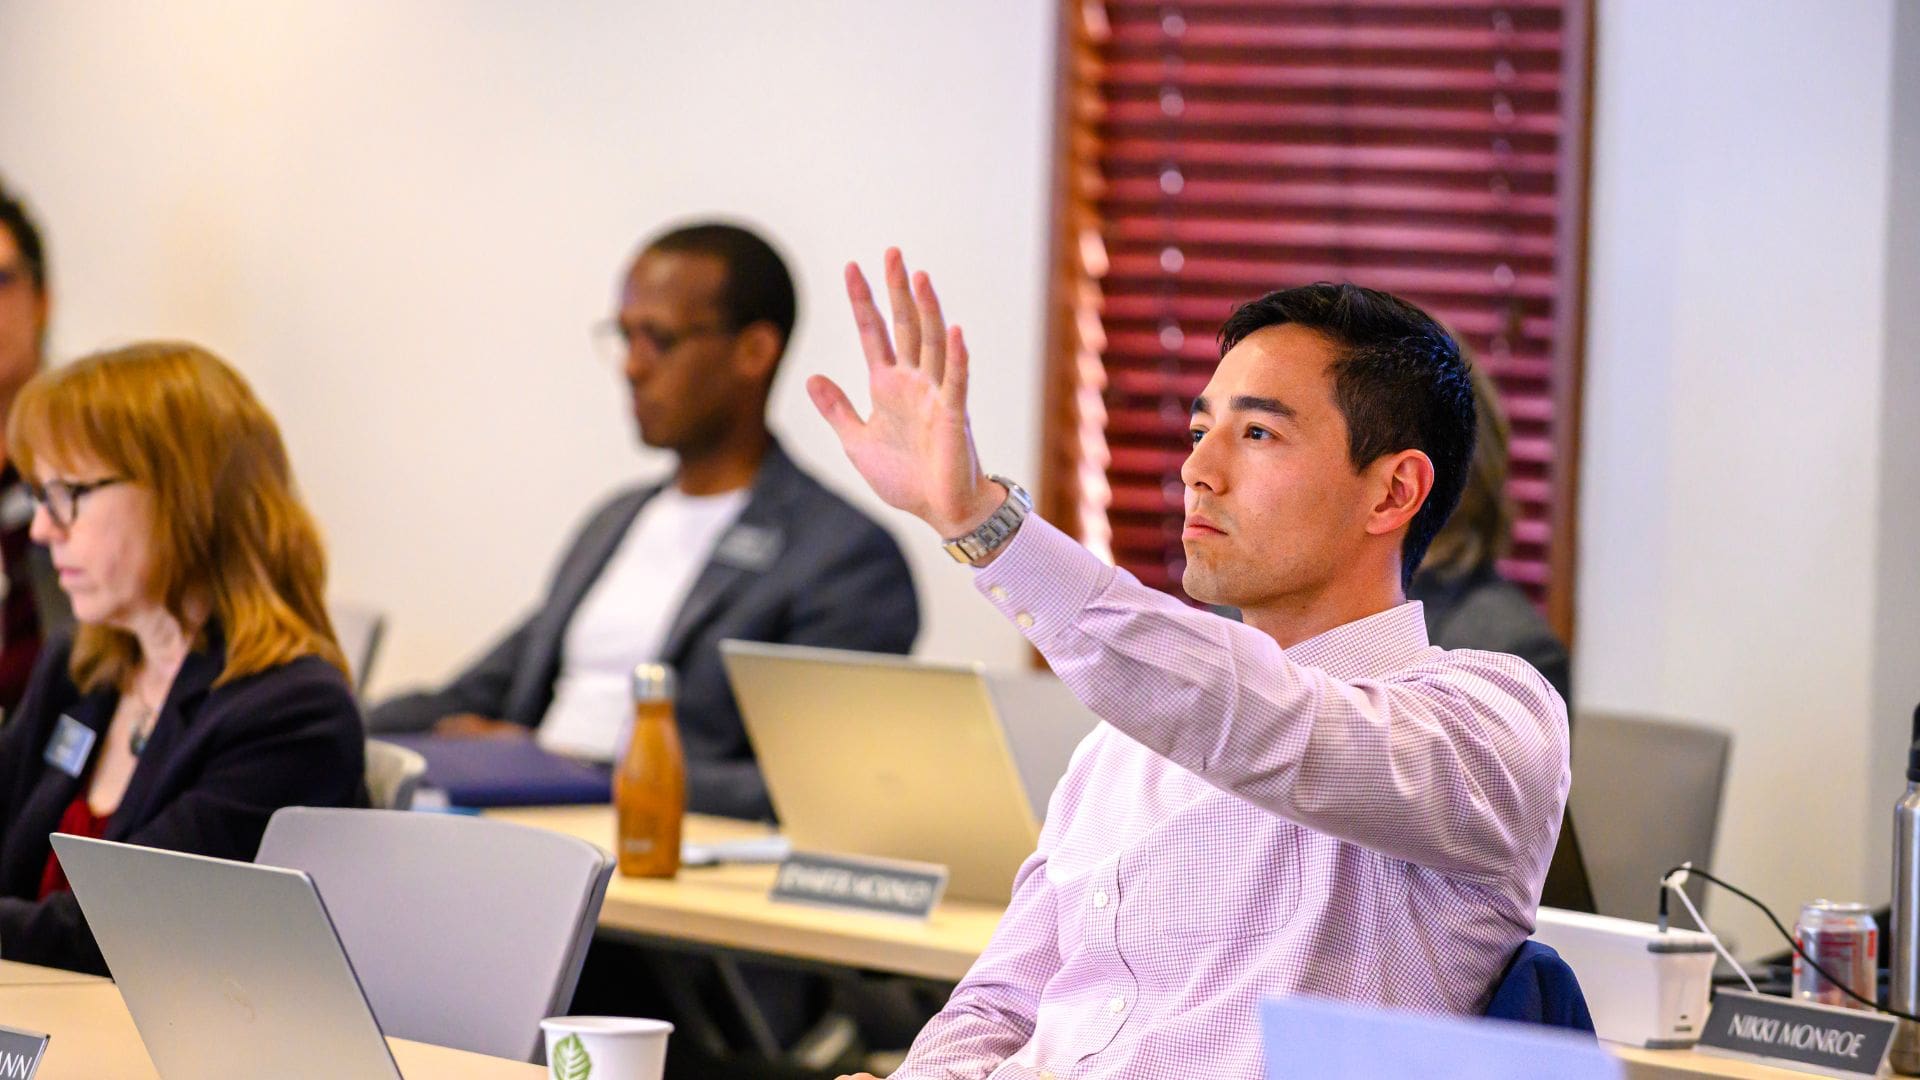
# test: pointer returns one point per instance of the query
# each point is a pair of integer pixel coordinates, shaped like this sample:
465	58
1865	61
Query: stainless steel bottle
1904	957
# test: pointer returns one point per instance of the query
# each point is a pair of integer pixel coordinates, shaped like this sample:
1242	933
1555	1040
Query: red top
80	821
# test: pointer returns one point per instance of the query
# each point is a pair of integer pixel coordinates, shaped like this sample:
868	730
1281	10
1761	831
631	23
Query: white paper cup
605	1047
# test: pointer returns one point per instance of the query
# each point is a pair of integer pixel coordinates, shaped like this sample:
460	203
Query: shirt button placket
1103	902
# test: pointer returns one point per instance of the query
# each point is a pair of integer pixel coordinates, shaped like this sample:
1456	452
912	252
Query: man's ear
756	352
1403	482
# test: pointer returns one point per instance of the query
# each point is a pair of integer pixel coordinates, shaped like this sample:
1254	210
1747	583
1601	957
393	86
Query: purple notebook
506	772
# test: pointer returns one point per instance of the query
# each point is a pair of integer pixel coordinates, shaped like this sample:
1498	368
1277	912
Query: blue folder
506	772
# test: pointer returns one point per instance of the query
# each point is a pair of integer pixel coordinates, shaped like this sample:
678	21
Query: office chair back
464	932
1539	987
393	775
1646	795
358	630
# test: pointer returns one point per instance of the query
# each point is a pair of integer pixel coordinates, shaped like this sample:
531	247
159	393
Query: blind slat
1268	116
1334	78
1247	236
1255	196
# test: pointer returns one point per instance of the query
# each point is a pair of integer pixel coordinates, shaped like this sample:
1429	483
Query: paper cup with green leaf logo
605	1047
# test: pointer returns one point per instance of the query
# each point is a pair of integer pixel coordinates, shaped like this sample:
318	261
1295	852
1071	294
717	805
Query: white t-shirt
624	618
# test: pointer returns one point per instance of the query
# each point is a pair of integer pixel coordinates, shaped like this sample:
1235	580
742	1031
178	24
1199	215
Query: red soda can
1844	939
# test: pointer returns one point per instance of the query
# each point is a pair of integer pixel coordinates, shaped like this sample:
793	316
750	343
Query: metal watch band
987	538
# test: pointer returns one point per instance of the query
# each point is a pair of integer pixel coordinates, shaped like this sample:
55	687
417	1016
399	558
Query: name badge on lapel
750	547
71	745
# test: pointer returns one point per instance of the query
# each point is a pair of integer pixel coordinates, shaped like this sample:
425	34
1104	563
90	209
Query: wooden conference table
94	1037
727	907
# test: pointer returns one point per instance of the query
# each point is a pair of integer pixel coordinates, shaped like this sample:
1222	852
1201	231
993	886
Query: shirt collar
1368	648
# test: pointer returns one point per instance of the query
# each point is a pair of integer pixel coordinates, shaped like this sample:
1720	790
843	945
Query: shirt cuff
1042	579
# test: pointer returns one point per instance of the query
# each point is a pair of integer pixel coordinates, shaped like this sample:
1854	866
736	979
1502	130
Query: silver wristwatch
994	531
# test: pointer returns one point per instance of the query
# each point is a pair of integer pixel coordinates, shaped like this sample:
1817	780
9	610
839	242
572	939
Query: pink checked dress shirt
1362	816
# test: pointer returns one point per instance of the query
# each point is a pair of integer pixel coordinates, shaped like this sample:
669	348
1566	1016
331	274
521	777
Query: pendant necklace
142	726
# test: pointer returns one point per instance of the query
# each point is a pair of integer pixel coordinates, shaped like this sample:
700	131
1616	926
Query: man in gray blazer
740	543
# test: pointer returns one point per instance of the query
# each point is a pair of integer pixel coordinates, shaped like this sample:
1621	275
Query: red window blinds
1213	151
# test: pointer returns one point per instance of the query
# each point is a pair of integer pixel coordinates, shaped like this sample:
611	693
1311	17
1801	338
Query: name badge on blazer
750	547
70	746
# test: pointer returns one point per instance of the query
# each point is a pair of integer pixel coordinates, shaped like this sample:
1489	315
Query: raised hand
915	450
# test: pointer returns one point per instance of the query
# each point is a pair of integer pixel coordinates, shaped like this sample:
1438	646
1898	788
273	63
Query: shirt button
1117	1006
1025	620
1100	899
1045	1075
997	593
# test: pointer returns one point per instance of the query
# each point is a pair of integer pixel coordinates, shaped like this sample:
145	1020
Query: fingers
906	318
933	327
953	389
919	337
866	317
834	406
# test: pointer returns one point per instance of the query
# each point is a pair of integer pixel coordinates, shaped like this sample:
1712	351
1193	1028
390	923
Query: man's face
23	316
1274	505
687	388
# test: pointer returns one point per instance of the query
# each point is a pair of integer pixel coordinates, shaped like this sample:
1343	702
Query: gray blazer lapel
750	547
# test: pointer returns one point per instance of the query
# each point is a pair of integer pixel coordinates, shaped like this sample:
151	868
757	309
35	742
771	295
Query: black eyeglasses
62	499
617	340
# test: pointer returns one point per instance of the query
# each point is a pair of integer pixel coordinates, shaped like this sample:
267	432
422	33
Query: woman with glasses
202	688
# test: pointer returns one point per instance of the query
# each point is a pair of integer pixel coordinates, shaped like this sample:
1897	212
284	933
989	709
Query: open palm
915	449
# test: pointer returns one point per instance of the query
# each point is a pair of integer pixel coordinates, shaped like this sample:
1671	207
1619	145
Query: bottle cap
652	682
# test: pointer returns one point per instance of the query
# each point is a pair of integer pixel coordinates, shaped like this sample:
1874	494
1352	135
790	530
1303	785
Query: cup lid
607	1025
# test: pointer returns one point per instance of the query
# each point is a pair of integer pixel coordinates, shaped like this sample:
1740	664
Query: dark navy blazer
219	762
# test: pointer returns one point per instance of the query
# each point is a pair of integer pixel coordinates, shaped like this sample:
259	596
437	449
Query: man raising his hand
1316	801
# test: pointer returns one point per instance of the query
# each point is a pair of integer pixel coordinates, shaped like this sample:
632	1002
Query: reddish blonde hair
229	527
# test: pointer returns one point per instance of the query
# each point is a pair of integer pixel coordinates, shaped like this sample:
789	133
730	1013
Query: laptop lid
1312	1039
1044	724
229	968
880	755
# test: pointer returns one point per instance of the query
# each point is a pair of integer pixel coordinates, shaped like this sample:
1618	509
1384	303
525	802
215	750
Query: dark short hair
26	236
1398	378
758	288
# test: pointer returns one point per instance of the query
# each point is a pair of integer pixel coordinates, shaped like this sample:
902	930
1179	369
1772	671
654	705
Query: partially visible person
202	688
740	543
1468	604
31	603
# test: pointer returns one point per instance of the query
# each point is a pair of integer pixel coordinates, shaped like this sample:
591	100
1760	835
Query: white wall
1735	441
400	219
1896	660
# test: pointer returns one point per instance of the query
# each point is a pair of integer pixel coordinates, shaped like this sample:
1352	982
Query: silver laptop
869	754
229	968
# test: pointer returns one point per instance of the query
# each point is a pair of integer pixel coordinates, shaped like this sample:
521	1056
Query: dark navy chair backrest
1539	988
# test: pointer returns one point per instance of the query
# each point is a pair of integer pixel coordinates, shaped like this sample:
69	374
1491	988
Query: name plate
851	883
1813	1038
20	1052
